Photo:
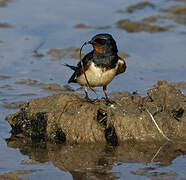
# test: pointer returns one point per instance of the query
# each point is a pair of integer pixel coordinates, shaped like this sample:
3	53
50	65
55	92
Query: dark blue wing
86	60
78	70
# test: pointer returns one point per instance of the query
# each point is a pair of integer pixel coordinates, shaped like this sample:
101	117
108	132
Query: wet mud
54	87
133	26
150	19
4	2
73	53
92	160
181	85
176	9
72	119
175	13
13	105
84	26
61	53
140	5
4	77
14	175
5	25
66	135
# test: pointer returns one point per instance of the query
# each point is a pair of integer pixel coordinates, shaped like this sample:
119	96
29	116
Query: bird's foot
109	101
88	99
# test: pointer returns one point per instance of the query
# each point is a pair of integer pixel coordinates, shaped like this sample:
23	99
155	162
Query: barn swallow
100	65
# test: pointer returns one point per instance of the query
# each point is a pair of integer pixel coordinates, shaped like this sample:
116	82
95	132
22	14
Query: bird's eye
100	41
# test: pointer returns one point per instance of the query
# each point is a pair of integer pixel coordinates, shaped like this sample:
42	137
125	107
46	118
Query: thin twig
83	69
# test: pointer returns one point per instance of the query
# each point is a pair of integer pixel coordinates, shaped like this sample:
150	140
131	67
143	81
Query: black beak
89	42
84	44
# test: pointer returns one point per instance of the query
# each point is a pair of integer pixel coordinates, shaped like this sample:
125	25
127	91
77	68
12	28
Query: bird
100	66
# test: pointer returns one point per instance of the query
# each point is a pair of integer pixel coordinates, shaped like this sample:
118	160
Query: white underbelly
97	76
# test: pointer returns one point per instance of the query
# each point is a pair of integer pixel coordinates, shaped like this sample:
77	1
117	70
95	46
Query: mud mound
69	118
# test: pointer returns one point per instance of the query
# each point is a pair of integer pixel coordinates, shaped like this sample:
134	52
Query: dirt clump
71	119
13	105
181	85
5	25
76	55
132	26
123	55
177	10
54	87
13	175
176	13
84	26
73	53
140	5
28	94
178	19
4	2
58	54
4	77
150	19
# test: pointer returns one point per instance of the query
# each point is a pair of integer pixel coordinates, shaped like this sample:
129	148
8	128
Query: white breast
97	76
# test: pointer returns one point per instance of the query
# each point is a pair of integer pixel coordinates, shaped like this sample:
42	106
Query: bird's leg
108	101
86	92
104	90
86	95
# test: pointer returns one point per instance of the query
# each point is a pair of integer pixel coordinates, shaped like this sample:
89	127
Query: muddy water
38	26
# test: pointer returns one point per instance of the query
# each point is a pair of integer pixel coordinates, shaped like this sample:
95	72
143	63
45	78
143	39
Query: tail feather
73	77
71	67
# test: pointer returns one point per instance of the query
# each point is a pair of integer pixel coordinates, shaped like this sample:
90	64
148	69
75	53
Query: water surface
42	25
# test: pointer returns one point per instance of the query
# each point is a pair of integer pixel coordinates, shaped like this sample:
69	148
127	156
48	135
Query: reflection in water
95	161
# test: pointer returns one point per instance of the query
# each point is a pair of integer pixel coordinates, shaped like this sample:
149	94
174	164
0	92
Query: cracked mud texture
71	119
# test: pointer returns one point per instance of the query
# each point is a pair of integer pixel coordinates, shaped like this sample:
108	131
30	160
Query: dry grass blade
161	147
154	121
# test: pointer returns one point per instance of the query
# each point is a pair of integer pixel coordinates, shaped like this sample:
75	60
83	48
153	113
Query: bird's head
103	44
